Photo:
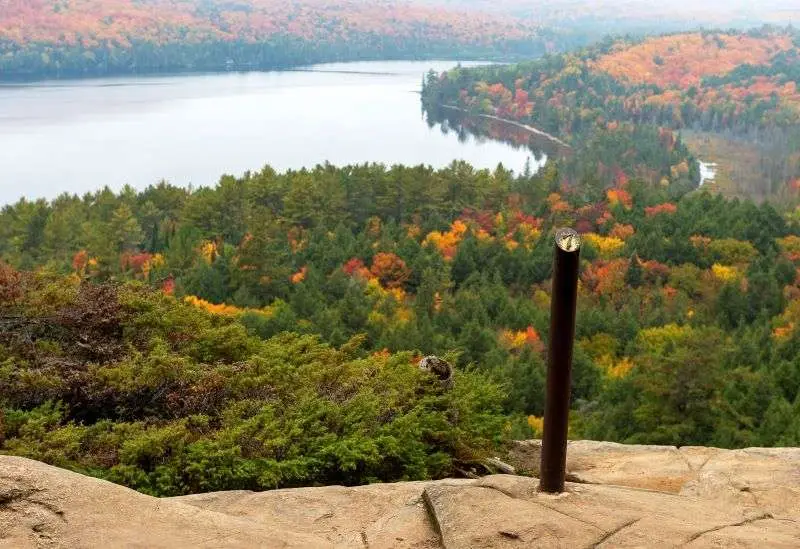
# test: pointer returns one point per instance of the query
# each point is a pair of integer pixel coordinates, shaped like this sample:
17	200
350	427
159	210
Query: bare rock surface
622	496
762	477
662	468
379	515
43	507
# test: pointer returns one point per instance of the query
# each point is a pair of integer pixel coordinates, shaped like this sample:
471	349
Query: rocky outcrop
621	496
767	479
43	507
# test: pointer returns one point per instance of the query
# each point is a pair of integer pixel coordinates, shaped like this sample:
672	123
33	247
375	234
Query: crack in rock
497	489
23	502
49	507
325	516
704	463
586	522
515	535
686	459
695	471
433	517
697	535
610	534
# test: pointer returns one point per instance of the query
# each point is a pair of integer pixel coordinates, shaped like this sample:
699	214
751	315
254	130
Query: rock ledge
621	496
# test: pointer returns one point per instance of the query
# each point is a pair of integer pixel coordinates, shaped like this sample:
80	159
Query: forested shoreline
284	53
748	95
87	38
525	127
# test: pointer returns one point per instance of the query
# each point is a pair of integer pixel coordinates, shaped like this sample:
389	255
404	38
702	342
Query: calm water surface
76	136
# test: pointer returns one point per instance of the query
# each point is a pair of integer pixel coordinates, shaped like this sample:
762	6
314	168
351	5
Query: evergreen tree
126	233
634	275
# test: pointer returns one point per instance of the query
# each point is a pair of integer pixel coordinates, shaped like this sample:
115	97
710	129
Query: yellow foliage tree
223	309
607	246
217	309
655	340
724	273
537	426
730	251
447	243
208	251
620	368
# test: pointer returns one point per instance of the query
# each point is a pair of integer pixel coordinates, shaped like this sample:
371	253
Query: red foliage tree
666	208
356	267
134	261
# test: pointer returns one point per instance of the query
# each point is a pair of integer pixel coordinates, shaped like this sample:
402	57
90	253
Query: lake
77	136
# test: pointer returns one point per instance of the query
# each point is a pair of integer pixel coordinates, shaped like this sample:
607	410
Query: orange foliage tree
10	284
92	23
390	270
606	277
683	60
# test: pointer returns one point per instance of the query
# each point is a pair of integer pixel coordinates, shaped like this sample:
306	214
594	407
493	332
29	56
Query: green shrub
193	403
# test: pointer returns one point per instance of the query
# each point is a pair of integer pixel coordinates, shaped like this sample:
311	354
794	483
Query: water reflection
481	129
76	136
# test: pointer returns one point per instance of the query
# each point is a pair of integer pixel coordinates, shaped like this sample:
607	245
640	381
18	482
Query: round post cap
568	239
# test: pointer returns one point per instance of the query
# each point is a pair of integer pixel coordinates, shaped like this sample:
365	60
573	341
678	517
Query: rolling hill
76	37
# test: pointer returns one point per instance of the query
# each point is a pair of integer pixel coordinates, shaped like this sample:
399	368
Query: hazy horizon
706	13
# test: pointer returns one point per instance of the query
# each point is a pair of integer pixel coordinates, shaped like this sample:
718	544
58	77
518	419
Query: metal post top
568	239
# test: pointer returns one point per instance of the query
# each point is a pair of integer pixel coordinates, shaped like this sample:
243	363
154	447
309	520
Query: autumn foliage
683	60
390	270
447	242
356	267
607	100
606	277
171	398
300	275
519	339
666	208
619	196
119	22
96	36
10	280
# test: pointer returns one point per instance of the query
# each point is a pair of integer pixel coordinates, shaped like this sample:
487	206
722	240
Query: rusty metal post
559	360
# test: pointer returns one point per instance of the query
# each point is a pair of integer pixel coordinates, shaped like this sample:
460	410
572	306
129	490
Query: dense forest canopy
94	37
46	38
277	298
739	85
